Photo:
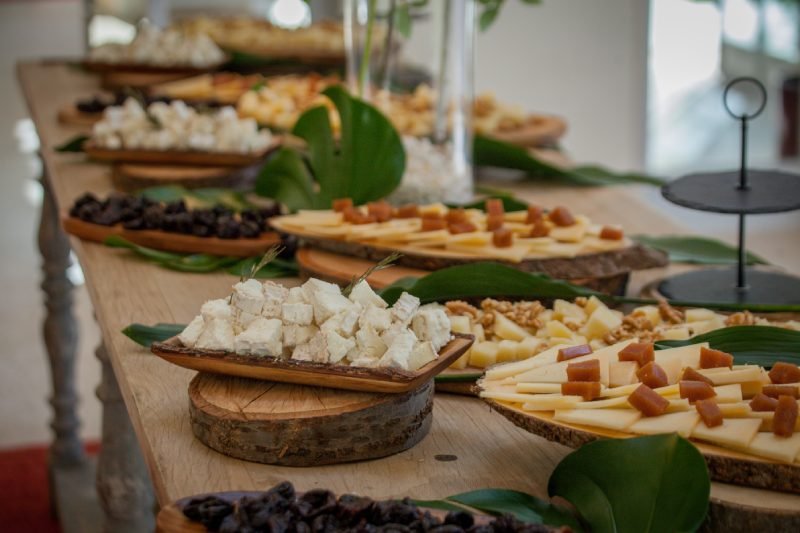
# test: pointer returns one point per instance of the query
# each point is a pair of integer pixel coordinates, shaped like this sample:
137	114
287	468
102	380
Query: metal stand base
719	286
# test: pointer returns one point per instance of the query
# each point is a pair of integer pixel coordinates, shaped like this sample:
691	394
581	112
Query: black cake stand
743	192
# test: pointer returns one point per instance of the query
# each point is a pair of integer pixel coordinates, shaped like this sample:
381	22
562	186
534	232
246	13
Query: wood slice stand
295	425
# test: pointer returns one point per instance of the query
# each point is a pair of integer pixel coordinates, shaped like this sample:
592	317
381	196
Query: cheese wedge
734	432
626	390
574	233
680	404
441	235
673	367
736	410
557	372
315	217
728	393
783	449
475	238
682	423
739	375
608	403
622	373
537	388
556	399
544	358
617	419
528	347
687	355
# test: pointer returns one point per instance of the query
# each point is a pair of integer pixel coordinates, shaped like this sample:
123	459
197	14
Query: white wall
583	60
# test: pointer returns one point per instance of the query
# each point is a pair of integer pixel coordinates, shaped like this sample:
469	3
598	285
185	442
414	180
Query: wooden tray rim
177	157
149	68
360	379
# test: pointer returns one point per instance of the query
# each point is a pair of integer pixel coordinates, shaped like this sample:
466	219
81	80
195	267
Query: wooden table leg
123	484
60	335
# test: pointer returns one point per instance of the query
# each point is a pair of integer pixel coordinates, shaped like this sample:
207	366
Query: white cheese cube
243	319
216	309
314	286
314	350
505	328
344	323
327	304
363	294
217	335
422	354
294	335
248	296
375	318
459	324
399	352
650	312
274	296
699	315
369	343
432	325
297	296
262	337
338	346
368	362
601	322
297	314
192	332
404	308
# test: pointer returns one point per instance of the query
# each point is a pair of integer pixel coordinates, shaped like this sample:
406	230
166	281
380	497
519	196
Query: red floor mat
25	501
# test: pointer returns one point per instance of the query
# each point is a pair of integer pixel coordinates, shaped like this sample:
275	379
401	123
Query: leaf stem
363	69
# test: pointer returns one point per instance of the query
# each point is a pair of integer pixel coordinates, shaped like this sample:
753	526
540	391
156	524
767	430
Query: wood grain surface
468	447
176	157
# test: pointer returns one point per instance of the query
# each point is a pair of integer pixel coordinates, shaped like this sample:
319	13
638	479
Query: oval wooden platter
133	177
538	130
724	465
583	266
173	242
177	157
295	425
309	373
170	518
147	68
70	115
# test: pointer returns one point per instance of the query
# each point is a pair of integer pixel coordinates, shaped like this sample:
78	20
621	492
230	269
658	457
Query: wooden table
145	399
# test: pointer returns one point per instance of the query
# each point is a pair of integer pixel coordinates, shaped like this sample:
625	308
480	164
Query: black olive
173	208
205	217
221	210
87	212
108	217
135	223
249	230
199	230
210	511
152	217
183	222
461	519
227	228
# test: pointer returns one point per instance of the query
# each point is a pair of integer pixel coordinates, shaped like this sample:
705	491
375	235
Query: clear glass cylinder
415	62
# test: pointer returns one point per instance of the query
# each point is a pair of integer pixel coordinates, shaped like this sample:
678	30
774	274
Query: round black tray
768	191
718	285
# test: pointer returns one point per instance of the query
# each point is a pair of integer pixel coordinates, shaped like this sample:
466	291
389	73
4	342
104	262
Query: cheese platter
431	237
318	335
742	418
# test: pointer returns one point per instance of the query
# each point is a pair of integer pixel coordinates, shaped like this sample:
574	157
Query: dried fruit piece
774	391
407	211
534	214
784	373
560	216
652	375
641	352
461	227
710	412
354	216
647	401
456	215
382	211
710	358
611	233
494	206
584	371
342	204
571	352
588	390
762	402
502	238
785	417
433	224
690	374
494	221
539	229
695	390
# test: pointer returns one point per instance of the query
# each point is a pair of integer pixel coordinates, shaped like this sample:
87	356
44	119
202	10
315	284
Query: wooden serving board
173	242
538	130
70	115
132	176
176	157
296	425
361	379
341	269
146	68
583	266
724	465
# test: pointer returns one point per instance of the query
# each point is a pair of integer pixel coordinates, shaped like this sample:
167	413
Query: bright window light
290	13
740	23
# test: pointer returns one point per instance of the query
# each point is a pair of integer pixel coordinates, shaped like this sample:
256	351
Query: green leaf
277	268
495	153
286	179
760	345
147	335
497	502
165	193
458	378
698	250
200	263
656	484
402	20
221	196
158	256
488	17
483	280
73	145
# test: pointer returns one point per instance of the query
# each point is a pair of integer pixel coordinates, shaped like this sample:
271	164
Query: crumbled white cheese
314	350
191	333
327	304
393	331
432	324
375	318
297	296
296	335
299	314
404	308
369	343
367	362
338	346
422	354
217	335
274	296
248	296
262	337
314	286
216	309
345	323
362	293
241	320
399	352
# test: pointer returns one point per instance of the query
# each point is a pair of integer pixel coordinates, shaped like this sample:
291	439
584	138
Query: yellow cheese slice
538	388
556	249
736	410
473	238
687	355
388	233
617	419
544	358
322	217
673	368
678	404
751	388
516	216
767	417
608	403
539	402
740	375
728	393
682	423
528	347
327	231
626	390
770	446
572	233
433	209
597	244
536	242
557	372
734	432
440	234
